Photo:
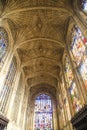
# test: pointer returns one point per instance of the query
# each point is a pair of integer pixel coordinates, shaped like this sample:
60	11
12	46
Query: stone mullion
11	89
5	99
79	88
3	75
25	113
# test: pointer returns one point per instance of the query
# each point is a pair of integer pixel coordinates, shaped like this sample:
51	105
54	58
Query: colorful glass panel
83	70
83	5
78	44
75	97
3	43
43	113
72	87
79	51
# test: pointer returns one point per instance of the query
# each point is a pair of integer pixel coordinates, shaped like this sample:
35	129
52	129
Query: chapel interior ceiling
38	33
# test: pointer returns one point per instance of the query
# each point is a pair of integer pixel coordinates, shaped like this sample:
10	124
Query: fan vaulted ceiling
38	32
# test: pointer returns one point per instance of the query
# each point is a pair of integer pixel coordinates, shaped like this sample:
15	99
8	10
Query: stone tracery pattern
79	51
7	87
43	112
83	5
3	45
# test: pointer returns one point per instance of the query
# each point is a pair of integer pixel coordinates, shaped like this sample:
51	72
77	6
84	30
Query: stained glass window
43	113
3	44
72	88
83	5
6	89
79	52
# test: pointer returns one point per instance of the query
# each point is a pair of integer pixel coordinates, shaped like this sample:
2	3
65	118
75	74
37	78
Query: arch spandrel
42	88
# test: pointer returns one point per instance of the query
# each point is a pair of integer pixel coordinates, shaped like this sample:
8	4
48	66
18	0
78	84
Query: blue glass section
3	43
43	113
83	4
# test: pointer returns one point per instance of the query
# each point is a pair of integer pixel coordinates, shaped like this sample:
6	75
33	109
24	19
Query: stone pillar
10	112
27	118
32	115
20	105
55	123
22	109
28	111
25	109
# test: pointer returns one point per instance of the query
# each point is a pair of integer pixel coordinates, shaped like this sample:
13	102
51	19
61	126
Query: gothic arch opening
43	113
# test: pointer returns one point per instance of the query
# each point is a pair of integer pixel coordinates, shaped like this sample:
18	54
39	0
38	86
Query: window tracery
43	113
7	87
72	87
3	44
79	52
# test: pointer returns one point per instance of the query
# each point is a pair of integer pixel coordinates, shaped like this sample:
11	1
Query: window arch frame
70	86
79	7
72	23
35	98
79	12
